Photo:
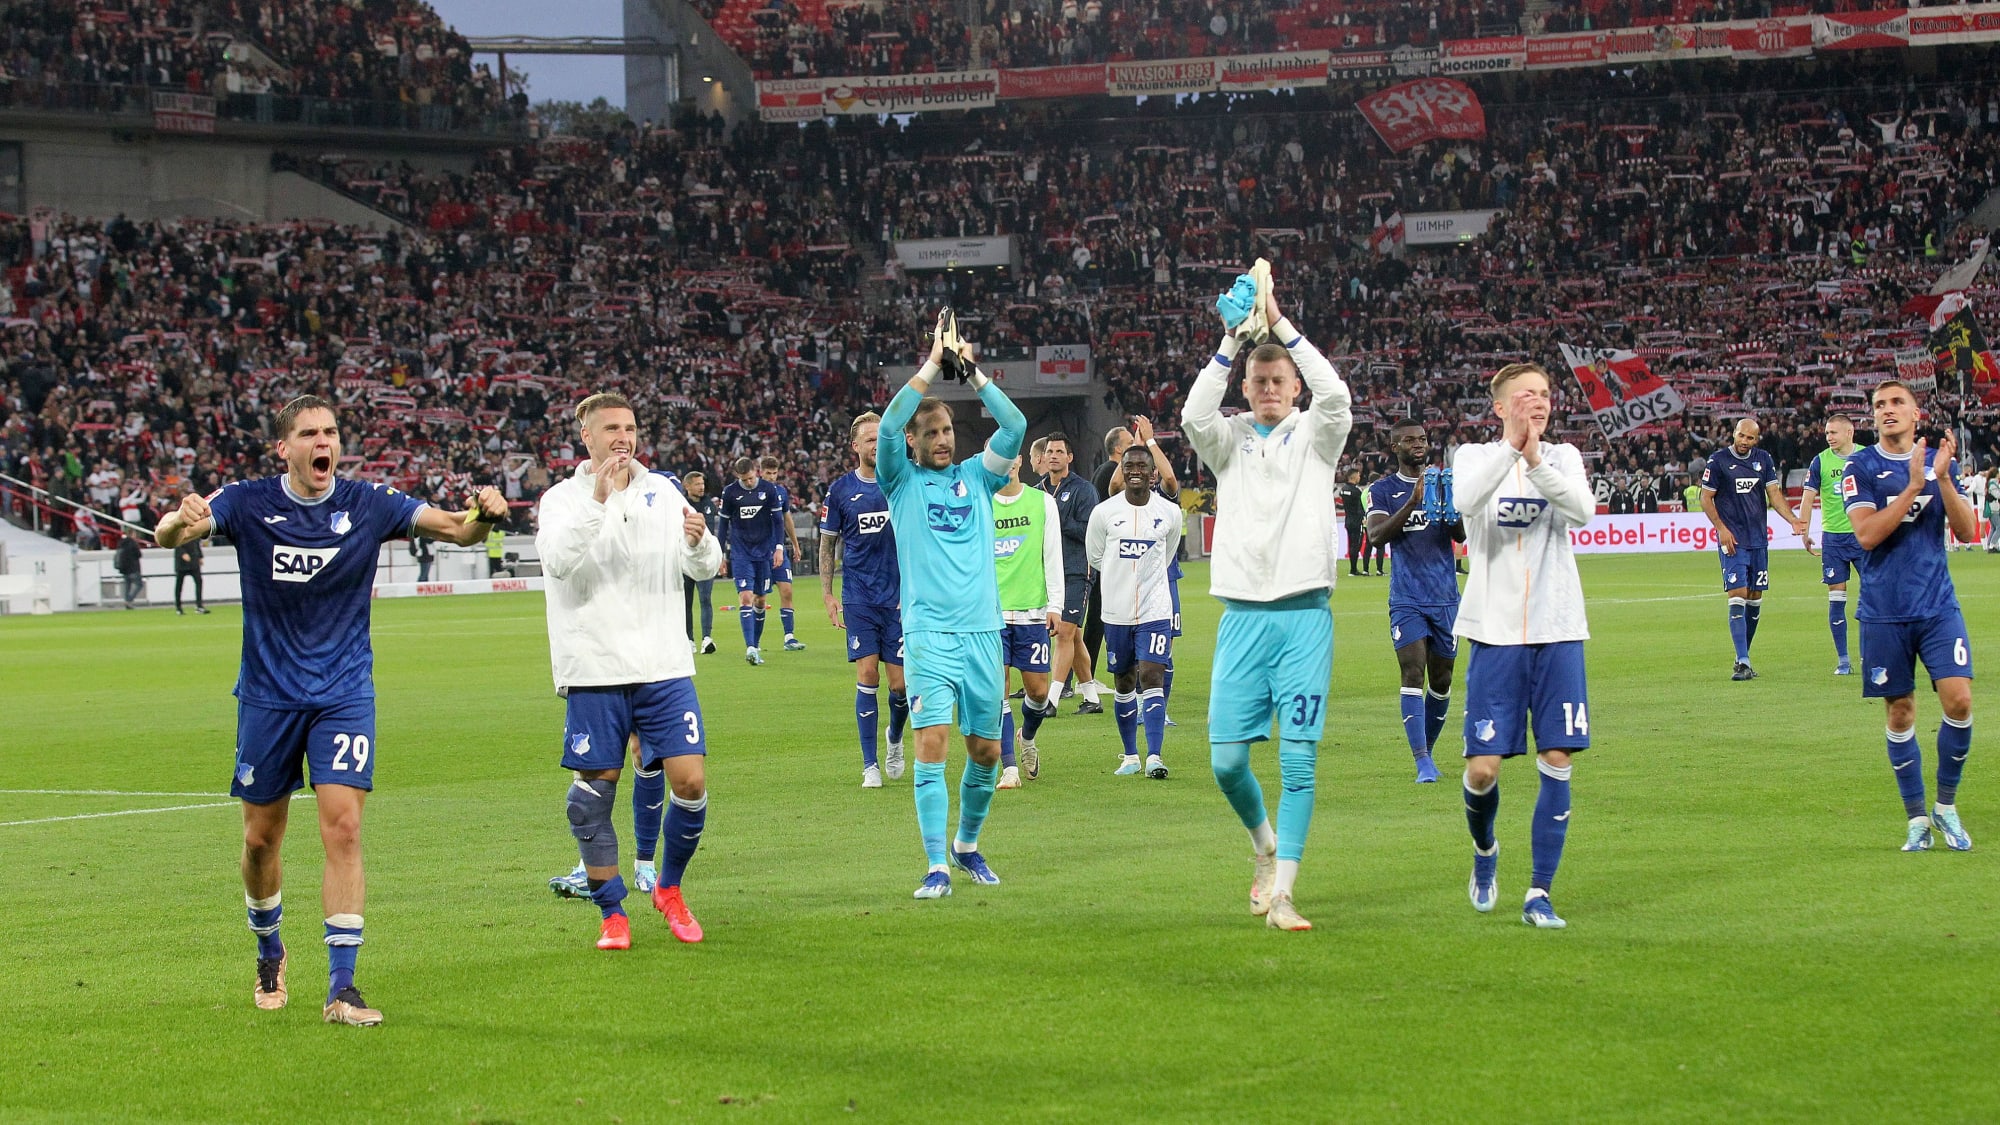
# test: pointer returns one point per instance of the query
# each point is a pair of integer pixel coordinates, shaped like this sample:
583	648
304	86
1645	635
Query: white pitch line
106	793
121	812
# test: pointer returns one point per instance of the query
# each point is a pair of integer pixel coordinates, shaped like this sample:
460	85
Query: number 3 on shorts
357	744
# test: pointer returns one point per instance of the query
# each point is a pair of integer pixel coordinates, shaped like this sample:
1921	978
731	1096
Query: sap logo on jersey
943	518
1005	548
1134	548
871	522
1519	511
1917	507
299	564
1745	485
748	511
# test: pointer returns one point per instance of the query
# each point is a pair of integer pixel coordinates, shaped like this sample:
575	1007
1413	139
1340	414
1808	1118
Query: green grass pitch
1745	941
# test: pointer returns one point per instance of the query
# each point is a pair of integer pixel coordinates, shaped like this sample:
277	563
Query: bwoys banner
1623	392
1427	109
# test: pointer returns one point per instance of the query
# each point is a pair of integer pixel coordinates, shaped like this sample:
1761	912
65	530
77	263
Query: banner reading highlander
1623	392
912	93
1281	71
1425	110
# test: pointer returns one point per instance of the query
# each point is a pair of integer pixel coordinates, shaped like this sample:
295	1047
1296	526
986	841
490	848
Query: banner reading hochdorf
912	93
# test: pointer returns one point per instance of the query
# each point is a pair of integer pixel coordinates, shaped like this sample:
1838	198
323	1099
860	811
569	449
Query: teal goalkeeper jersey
944	531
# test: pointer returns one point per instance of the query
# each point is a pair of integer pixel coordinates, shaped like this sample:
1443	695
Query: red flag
1424	110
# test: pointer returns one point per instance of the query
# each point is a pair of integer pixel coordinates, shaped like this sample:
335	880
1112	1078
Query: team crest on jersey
1519	511
868	523
341	524
1134	548
958	489
300	564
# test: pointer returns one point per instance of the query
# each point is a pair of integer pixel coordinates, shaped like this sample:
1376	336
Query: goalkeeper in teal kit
943	516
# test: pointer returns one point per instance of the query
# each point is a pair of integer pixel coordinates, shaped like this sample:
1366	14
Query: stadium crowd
1754	249
372	62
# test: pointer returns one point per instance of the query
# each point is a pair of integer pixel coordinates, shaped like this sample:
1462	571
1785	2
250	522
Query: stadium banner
1623	392
956	253
1064	365
1933	27
1053	81
1435	228
183	113
1359	66
1284	70
1959	346
1425	110
1856	31
1413	62
1787	38
1918	368
911	93
1658	533
1491	55
1551	52
446	589
791	99
1170	76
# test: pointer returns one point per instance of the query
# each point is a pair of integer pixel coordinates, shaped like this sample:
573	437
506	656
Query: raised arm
1561	478
1387	527
1331	399
466	528
1170	482
1201	418
1478	471
192	520
570	538
1005	444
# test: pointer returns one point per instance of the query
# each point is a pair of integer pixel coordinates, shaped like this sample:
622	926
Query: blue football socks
1007	737
1739	629
899	714
1551	825
1125	707
759	626
685	820
1033	711
1411	701
1907	759
747	617
1231	763
1297	764
343	948
933	807
1953	744
609	895
1752	610
1482	806
1437	708
975	796
786	618
649	793
266	914
1836	620
864	717
1153	716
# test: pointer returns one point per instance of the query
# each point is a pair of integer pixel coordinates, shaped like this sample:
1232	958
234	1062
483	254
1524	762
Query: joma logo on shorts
299	564
1519	511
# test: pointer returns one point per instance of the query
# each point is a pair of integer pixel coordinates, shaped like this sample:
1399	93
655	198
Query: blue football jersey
1425	573
308	575
750	517
1905	577
856	510
1739	484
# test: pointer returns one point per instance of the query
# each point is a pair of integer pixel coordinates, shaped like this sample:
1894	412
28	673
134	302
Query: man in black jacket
127	562
187	564
1075	500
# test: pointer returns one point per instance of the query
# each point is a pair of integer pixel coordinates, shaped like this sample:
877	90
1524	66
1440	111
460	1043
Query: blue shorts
1508	686
1409	624
751	572
961	670
1174	591
1026	647
1126	645
1076	598
1839	553
783	571
874	630
1890	650
278	751
1271	660
665	715
1748	569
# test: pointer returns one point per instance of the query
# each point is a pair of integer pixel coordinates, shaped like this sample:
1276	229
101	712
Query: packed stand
380	63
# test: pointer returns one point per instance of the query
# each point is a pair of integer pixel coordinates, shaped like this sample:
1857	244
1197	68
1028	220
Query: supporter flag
1935	305
1623	392
1958	345
1425	110
1387	237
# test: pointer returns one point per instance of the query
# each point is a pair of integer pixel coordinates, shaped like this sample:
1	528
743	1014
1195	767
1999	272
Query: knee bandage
590	804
